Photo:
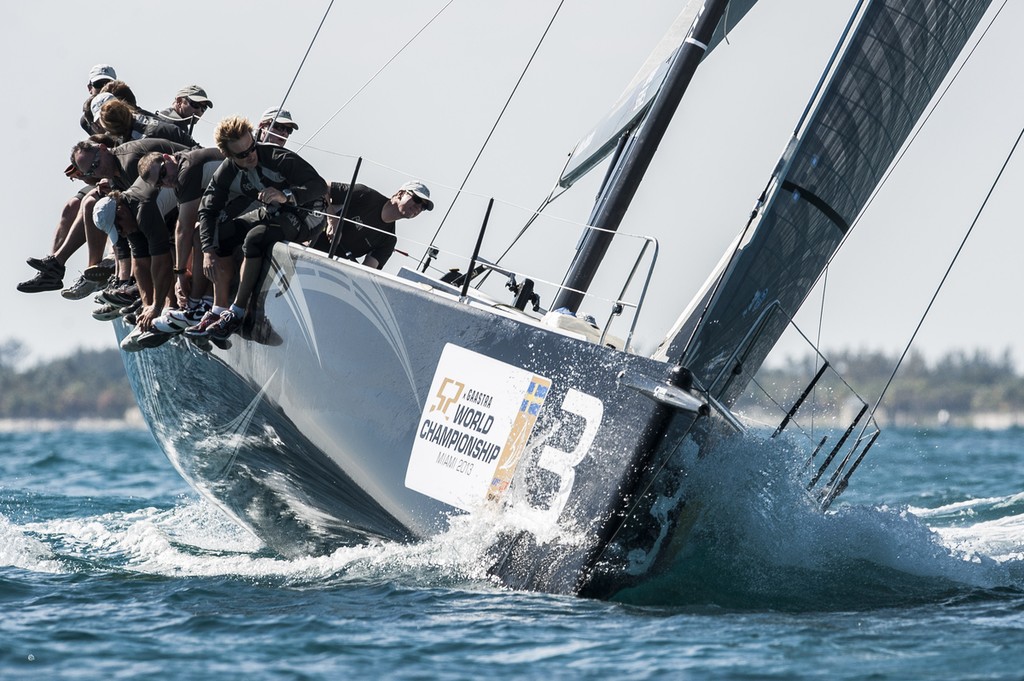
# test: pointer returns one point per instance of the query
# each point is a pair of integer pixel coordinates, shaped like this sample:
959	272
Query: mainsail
894	63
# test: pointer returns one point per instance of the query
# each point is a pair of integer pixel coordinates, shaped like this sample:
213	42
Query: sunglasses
245	154
161	174
94	165
417	200
281	129
201	106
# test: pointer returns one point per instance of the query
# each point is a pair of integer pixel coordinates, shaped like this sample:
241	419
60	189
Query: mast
614	200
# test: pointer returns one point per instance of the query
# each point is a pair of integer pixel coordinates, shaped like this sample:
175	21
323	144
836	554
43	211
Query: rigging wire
553	195
817	338
304	57
494	127
374	76
956	255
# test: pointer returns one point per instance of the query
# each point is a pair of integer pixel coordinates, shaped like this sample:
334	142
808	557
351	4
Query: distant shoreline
132	421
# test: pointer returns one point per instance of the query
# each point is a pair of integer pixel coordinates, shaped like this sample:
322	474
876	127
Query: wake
759	542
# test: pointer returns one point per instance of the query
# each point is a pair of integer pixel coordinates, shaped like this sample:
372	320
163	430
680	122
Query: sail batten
893	64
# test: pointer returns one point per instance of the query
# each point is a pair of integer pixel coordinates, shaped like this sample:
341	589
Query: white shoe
170	323
130	343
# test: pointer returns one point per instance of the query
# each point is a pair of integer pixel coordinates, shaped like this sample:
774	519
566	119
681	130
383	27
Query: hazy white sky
431	109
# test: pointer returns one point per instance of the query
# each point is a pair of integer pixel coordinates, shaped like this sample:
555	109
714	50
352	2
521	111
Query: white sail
638	95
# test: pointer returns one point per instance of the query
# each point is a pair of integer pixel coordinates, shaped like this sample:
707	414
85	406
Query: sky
434	103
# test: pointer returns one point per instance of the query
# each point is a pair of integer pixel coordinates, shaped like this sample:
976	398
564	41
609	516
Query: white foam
17	549
755	503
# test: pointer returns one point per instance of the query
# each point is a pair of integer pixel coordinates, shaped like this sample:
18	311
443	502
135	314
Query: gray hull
322	424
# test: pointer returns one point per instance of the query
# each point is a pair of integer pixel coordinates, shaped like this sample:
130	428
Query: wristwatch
288	195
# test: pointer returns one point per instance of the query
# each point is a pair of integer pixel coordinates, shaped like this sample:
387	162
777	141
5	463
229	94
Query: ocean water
111	568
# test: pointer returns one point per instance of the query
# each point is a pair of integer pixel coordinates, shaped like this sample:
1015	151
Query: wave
194	539
759	541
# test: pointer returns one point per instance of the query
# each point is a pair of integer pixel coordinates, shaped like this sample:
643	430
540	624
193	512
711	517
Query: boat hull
356	406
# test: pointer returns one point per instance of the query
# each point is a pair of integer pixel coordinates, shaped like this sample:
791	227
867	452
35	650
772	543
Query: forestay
896	59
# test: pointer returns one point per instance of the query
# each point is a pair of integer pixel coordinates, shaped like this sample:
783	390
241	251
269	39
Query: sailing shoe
228	324
187	317
153	338
123	294
165	323
106	312
47	265
43	281
130	343
200	330
132	307
100	272
81	288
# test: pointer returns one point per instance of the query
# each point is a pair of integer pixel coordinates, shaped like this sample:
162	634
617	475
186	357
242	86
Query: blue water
111	568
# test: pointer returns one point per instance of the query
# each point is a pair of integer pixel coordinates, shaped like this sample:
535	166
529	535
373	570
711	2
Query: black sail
896	60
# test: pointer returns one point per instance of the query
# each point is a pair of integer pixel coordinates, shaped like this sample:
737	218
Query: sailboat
359	405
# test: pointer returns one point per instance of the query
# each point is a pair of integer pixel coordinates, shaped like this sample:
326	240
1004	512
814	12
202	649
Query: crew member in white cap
100	75
369	229
275	126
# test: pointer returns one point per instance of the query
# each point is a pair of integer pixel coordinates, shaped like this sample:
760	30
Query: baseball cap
104	214
195	93
417	188
102	72
97	103
283	116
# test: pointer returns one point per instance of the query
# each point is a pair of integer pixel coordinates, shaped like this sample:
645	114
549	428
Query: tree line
959	384
84	384
92	383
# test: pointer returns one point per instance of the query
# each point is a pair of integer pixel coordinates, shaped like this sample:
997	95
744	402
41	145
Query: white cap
282	116
417	188
104	214
97	103
102	72
194	93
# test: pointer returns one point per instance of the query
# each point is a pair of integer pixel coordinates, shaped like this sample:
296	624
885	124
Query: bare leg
225	274
250	273
67	218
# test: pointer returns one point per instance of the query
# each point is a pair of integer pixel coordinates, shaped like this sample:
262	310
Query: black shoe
106	312
131	307
101	272
47	265
124	294
44	281
153	338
